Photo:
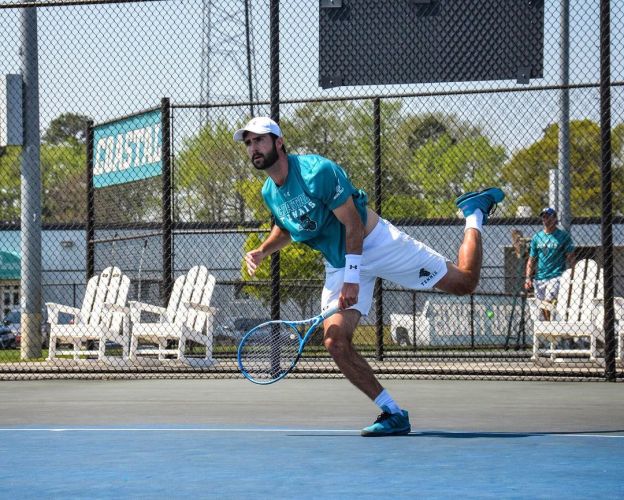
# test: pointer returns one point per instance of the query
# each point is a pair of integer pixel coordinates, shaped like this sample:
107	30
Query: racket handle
330	312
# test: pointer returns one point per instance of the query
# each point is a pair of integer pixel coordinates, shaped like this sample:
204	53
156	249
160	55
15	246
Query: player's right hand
253	260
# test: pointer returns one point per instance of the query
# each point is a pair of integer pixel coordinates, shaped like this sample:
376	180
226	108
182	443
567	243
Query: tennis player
314	202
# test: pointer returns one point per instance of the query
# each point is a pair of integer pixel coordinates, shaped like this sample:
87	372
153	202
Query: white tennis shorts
546	289
392	255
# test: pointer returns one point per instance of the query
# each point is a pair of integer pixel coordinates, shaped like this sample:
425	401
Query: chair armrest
544	304
201	307
535	308
54	309
116	308
142	306
137	307
618	306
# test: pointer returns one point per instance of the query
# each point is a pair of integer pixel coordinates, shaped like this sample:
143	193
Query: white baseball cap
259	125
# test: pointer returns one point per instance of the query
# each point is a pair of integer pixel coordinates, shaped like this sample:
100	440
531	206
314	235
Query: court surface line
283	430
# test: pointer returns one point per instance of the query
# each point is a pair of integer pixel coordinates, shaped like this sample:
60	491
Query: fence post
472	330
379	281
275	115
167	202
31	279
90	205
607	193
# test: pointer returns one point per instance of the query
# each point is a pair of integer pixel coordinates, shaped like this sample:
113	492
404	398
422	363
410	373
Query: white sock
384	399
475	221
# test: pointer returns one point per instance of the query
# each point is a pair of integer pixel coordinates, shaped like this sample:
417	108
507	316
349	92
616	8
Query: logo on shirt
307	224
339	191
423	272
295	208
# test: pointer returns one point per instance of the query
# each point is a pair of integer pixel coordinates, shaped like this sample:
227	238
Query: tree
527	172
447	157
63	169
68	128
210	172
63	173
344	132
10	184
64	183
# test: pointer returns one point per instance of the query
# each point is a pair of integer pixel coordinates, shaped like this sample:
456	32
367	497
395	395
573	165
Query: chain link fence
144	195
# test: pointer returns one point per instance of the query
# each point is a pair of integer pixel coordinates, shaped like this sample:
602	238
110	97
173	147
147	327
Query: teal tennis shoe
389	424
485	201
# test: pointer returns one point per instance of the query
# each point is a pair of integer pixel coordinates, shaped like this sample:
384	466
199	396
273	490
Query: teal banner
127	150
10	266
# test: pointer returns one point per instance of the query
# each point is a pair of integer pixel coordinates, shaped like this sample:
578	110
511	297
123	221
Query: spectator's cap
259	125
548	211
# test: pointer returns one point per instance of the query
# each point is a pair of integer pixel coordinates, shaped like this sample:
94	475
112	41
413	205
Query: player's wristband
352	268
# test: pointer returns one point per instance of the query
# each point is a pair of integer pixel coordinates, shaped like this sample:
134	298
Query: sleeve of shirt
330	184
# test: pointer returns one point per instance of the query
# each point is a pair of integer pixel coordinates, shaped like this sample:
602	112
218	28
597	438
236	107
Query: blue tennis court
318	458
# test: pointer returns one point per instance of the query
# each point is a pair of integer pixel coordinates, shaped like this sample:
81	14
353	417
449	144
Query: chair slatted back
578	290
89	297
116	295
202	294
112	287
96	293
195	286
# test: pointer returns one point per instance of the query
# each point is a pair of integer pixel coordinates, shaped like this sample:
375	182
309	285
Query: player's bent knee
458	283
336	345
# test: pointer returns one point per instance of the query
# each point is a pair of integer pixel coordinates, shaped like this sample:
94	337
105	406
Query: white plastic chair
102	318
188	317
573	316
618	306
409	329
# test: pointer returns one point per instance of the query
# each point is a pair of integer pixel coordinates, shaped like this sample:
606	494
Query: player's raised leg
462	278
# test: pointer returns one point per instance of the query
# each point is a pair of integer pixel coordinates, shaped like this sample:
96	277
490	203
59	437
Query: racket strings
269	351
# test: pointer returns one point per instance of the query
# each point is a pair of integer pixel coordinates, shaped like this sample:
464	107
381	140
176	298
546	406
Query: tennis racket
268	352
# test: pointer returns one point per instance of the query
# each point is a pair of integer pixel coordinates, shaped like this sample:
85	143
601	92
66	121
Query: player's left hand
348	295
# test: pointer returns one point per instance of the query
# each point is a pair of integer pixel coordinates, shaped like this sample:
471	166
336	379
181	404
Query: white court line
277	430
167	429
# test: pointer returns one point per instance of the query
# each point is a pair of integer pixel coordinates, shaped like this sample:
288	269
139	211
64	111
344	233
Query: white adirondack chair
618	306
101	318
409	329
574	316
187	318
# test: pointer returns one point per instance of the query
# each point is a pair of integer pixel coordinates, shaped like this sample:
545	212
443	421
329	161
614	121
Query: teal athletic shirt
550	250
304	204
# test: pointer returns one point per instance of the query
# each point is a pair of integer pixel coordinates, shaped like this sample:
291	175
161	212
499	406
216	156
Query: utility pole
30	191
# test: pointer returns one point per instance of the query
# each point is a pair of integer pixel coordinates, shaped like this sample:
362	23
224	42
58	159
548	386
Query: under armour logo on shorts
351	266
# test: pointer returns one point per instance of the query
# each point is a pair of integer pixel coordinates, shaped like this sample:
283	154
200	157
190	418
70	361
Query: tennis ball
489	313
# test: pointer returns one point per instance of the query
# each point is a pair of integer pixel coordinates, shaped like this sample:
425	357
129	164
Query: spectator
551	249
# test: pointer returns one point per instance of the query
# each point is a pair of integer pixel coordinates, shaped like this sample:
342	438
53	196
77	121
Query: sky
111	60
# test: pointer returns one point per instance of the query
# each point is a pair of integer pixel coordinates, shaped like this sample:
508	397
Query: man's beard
267	161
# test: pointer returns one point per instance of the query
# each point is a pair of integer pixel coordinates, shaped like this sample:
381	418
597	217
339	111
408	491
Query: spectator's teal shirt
551	251
304	204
